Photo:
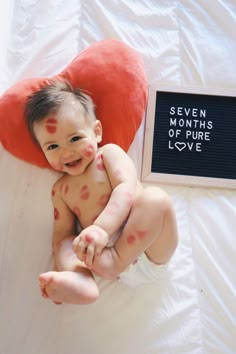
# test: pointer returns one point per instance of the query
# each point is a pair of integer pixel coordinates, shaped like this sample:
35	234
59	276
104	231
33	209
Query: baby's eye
75	138
52	146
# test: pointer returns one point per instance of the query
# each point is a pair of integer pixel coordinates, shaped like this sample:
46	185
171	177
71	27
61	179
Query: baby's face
69	141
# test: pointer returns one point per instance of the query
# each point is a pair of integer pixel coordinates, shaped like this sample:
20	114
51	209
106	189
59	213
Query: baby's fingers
90	255
80	249
99	250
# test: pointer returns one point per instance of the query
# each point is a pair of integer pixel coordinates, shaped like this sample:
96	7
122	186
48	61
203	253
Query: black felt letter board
194	135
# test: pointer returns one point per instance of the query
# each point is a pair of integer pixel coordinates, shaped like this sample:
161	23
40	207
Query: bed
193	310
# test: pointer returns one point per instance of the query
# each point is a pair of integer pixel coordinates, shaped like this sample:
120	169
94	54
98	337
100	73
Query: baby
99	189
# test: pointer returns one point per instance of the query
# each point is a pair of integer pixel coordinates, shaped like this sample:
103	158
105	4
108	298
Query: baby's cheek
88	151
56	166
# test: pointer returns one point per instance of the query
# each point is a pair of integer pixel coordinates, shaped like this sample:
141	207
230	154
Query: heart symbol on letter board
180	146
110	71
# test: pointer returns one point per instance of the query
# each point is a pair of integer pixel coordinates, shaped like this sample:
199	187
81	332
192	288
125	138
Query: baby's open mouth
73	163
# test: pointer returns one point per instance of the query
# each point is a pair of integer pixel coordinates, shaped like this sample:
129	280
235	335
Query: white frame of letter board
193	181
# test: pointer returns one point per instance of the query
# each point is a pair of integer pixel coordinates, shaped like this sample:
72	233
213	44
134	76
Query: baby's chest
88	198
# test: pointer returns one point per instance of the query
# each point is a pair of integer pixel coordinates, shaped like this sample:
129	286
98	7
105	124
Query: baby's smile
73	163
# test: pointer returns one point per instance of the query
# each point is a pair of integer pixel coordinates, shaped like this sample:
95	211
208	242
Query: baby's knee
155	198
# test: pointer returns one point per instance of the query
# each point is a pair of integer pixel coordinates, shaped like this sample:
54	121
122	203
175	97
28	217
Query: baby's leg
151	227
73	283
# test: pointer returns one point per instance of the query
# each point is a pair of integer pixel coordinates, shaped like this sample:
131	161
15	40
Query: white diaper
143	271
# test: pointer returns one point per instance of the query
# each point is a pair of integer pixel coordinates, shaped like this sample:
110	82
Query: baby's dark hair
51	99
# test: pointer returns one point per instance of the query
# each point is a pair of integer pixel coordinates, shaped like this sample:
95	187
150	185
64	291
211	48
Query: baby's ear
98	130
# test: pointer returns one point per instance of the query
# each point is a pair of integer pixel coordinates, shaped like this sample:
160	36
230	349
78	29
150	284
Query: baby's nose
66	155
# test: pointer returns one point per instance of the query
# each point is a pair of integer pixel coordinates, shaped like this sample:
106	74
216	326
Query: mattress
191	311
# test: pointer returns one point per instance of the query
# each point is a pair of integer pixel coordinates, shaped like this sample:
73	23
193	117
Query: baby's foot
107	264
69	287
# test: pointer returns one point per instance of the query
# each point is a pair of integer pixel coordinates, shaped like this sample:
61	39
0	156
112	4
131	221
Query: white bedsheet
193	312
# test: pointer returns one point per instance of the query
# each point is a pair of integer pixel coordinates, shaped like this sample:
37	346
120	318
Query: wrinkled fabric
182	43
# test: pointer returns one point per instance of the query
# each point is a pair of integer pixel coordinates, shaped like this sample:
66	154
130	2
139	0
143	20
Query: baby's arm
64	232
123	179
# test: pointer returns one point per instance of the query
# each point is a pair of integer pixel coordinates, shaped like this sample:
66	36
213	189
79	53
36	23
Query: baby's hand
90	242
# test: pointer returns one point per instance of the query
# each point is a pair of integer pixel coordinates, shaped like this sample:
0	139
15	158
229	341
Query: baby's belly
88	202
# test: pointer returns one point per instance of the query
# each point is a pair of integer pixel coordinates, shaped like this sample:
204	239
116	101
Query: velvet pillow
113	75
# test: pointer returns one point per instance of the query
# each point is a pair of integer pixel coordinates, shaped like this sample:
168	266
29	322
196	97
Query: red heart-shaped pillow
113	75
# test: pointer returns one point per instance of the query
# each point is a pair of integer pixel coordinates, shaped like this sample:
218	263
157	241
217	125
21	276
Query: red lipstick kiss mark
51	125
131	240
51	129
77	212
53	193
64	188
88	238
56	214
103	200
112	208
141	234
88	152
51	121
129	203
99	164
118	173
84	192
129	199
